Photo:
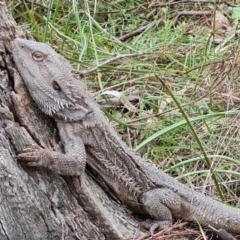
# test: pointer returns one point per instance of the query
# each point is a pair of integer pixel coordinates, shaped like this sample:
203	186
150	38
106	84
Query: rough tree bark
40	204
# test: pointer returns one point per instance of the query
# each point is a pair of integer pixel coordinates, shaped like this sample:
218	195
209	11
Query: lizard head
49	79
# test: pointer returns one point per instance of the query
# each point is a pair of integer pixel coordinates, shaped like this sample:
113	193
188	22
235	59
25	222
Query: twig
99	13
143	28
222	183
165	231
37	4
111	60
222	234
161	21
80	12
147	6
134	33
195	13
190	2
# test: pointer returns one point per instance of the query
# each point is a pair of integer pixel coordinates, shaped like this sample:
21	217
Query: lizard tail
210	212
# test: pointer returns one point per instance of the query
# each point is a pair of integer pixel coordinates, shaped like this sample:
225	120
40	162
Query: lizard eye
56	86
37	56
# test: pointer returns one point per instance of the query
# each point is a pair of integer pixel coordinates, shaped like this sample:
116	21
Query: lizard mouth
51	105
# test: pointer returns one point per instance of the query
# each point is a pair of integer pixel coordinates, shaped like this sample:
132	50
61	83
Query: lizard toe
154	225
31	148
27	157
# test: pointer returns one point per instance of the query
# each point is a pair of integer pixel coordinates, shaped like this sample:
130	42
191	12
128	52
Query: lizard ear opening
72	114
56	86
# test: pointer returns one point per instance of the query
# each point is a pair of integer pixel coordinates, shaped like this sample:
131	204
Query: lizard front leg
57	162
161	205
71	163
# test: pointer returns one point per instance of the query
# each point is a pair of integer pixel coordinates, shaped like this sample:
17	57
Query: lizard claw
154	225
32	153
37	156
31	148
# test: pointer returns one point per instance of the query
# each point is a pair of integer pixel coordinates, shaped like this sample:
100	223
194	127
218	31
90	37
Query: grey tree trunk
40	204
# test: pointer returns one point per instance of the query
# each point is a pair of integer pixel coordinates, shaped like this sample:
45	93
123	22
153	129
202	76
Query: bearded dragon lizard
86	134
